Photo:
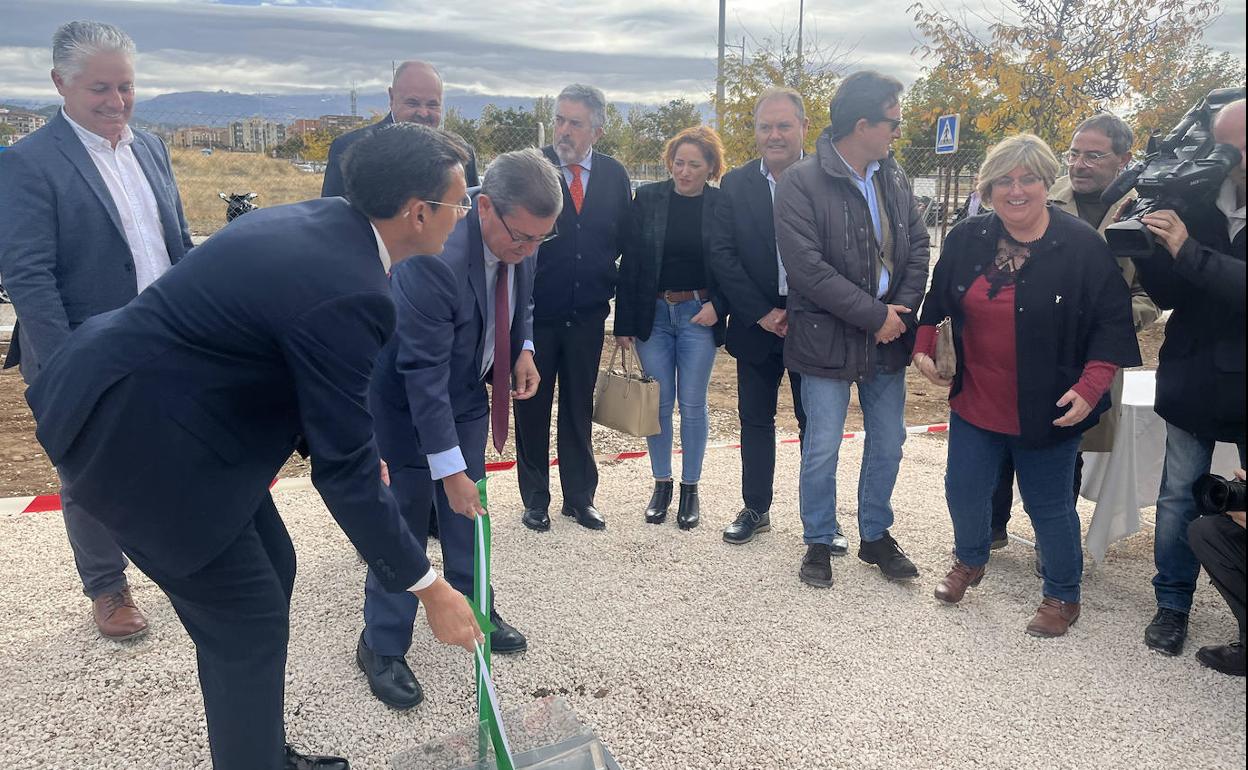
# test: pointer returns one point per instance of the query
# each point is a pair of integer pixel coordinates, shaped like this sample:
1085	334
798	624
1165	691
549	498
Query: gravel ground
680	651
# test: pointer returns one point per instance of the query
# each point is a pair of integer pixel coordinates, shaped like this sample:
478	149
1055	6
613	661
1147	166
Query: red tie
576	189
500	397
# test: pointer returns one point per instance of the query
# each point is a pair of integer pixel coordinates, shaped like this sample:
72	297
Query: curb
47	503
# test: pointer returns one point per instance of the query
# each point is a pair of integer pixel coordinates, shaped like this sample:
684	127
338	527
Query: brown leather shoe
961	577
118	617
1053	617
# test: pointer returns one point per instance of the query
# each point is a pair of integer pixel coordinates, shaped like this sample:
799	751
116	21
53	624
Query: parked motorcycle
238	204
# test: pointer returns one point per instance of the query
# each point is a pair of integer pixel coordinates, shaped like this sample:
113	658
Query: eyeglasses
893	123
1007	182
1090	158
461	209
527	239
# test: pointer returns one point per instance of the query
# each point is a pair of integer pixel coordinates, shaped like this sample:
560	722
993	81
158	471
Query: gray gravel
682	652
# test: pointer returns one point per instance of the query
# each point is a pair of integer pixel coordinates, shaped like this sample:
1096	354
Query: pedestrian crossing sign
947	134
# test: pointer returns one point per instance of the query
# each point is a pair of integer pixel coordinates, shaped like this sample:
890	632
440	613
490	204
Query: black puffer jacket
827	245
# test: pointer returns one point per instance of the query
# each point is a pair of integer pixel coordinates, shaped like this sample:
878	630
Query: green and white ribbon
490	722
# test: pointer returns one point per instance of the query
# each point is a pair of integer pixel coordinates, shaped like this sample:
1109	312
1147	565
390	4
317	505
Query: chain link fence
942	184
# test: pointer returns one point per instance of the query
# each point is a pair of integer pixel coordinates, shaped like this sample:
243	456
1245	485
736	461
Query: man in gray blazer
91	218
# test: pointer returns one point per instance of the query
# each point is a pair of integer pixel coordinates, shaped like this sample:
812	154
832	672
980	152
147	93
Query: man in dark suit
91	218
752	279
464	317
415	97
571	294
169	418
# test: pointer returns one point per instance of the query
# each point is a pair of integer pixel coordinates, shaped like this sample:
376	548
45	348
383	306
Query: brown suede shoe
1053	617
118	617
961	577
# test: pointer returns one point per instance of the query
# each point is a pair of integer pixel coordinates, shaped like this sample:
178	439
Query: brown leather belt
676	297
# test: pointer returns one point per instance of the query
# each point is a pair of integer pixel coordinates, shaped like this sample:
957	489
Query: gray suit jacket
63	250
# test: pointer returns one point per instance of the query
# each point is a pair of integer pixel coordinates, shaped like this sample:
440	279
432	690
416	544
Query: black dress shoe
389	678
840	544
690	512
1167	632
656	509
536	519
1226	658
888	556
816	566
748	524
505	639
297	761
587	517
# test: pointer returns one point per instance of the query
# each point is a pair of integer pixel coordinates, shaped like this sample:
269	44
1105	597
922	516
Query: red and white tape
44	503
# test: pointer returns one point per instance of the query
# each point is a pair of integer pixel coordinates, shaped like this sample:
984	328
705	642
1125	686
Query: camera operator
1219	543
1196	269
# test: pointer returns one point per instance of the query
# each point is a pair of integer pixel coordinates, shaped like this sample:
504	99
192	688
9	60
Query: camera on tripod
1185	167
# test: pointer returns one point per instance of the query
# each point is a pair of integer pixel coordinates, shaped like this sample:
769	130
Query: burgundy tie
500	397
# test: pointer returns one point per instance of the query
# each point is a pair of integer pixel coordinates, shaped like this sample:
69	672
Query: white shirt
783	275
451	461
585	165
132	195
1226	204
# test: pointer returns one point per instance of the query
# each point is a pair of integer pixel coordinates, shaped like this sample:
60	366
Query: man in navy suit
91	217
464	318
415	97
169	418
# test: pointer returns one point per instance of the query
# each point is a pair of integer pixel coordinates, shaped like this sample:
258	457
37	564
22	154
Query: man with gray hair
1099	150
127	228
572	289
464	318
415	97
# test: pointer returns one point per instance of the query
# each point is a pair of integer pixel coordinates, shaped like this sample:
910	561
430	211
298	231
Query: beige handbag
946	357
625	398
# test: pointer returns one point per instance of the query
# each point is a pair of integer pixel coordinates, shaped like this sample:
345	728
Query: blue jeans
1188	457
680	355
1045	480
883	400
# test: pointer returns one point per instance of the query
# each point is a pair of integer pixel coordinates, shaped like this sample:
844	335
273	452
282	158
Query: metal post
719	77
801	69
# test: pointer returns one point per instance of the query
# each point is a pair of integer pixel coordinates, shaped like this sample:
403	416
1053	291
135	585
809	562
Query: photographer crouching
1197	268
1218	541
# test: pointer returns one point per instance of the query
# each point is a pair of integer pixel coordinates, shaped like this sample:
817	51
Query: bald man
1196	270
415	97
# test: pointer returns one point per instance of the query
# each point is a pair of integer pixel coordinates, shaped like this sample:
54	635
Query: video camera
1215	494
1185	167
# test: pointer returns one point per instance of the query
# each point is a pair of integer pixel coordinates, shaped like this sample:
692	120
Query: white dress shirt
451	461
585	165
132	195
1227	198
783	282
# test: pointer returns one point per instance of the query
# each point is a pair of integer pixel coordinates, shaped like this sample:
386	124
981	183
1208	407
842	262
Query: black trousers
758	389
1003	495
567	352
1219	545
237	612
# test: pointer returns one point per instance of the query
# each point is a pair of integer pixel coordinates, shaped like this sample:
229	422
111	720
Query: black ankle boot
656	511
688	513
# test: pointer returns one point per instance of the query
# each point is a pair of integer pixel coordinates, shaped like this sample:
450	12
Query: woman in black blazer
667	304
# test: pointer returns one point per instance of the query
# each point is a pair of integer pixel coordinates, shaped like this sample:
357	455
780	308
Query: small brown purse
946	357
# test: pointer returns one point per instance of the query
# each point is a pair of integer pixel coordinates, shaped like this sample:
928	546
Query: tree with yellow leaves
1049	63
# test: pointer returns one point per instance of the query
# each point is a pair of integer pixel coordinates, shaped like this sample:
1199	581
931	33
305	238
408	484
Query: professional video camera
1215	494
1185	167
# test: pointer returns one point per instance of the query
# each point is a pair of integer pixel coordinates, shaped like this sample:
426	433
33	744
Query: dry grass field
200	177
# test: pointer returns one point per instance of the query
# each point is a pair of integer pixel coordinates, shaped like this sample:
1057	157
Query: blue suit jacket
63	251
428	376
169	417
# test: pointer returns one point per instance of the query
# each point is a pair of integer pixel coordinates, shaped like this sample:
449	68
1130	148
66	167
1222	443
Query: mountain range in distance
219	108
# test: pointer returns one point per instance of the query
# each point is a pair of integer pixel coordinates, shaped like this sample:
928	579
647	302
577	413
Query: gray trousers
101	564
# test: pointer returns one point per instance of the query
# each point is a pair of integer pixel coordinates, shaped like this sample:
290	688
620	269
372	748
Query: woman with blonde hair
668	305
1041	321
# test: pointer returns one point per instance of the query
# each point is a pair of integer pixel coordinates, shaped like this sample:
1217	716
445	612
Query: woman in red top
1041	321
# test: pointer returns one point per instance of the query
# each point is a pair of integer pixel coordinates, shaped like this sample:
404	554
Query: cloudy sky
636	50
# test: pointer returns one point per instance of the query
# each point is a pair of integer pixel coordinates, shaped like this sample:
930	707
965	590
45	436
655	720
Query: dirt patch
25	470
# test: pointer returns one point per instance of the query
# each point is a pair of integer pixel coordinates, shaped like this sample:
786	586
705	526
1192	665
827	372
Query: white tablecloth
1123	481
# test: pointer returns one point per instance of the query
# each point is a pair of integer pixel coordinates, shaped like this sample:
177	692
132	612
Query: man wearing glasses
572	289
1099	151
464	318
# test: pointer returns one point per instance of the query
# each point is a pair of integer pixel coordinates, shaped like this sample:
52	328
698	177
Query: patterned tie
500	396
576	189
